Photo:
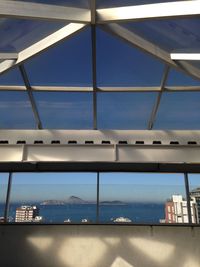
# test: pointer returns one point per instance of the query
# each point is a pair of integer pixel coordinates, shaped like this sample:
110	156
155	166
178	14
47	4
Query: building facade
27	214
196	194
176	210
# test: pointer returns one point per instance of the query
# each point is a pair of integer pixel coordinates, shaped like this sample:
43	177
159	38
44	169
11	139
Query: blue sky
137	187
118	64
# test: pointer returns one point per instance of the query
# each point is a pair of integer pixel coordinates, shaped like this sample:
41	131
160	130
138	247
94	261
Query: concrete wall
99	246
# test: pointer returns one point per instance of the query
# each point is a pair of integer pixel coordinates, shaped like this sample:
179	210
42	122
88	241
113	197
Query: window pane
19	34
179	110
194	183
65	110
142	197
77	3
177	78
66	64
170	34
124	110
12	77
119	64
58	197
15	110
3	191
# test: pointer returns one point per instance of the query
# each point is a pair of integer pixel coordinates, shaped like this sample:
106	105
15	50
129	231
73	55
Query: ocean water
137	212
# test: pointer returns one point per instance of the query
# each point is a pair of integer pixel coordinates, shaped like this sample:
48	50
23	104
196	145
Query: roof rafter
149	11
137	41
63	33
28	10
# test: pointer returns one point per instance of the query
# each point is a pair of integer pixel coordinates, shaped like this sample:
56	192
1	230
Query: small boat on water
67	221
122	220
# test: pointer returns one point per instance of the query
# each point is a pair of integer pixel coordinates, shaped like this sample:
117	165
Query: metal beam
157	103
93	11
31	96
185	56
94	63
149	11
94	75
7	55
65	32
188	197
85	153
137	41
6	211
97	204
100	89
30	10
97	136
152	147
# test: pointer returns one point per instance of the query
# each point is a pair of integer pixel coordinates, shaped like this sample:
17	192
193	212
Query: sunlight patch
80	250
119	262
42	243
156	250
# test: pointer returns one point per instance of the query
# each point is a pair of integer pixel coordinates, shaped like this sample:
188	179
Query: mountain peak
75	200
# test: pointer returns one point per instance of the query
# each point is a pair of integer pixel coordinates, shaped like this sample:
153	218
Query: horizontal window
114	198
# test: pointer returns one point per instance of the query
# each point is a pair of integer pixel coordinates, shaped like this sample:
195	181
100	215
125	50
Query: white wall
99	246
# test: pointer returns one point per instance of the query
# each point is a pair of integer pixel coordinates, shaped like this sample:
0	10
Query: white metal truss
137	41
63	33
104	146
149	11
88	89
8	56
29	10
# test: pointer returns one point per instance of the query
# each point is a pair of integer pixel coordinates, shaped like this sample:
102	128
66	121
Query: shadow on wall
99	246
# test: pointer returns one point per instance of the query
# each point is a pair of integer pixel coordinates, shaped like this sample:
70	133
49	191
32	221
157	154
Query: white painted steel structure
99	146
78	18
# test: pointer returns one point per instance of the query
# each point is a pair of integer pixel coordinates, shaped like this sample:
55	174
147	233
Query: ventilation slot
3	141
55	142
174	143
89	142
38	142
157	143
72	142
21	142
139	142
105	142
192	142
123	142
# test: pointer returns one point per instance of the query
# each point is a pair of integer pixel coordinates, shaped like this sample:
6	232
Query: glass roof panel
124	110
118	3
15	111
65	110
179	110
119	64
72	3
177	78
12	77
67	64
170	34
19	34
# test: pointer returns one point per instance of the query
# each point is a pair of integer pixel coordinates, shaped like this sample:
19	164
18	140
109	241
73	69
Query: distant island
74	200
52	202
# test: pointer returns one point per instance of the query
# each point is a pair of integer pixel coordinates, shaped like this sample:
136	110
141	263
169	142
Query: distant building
27	214
196	194
176	210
